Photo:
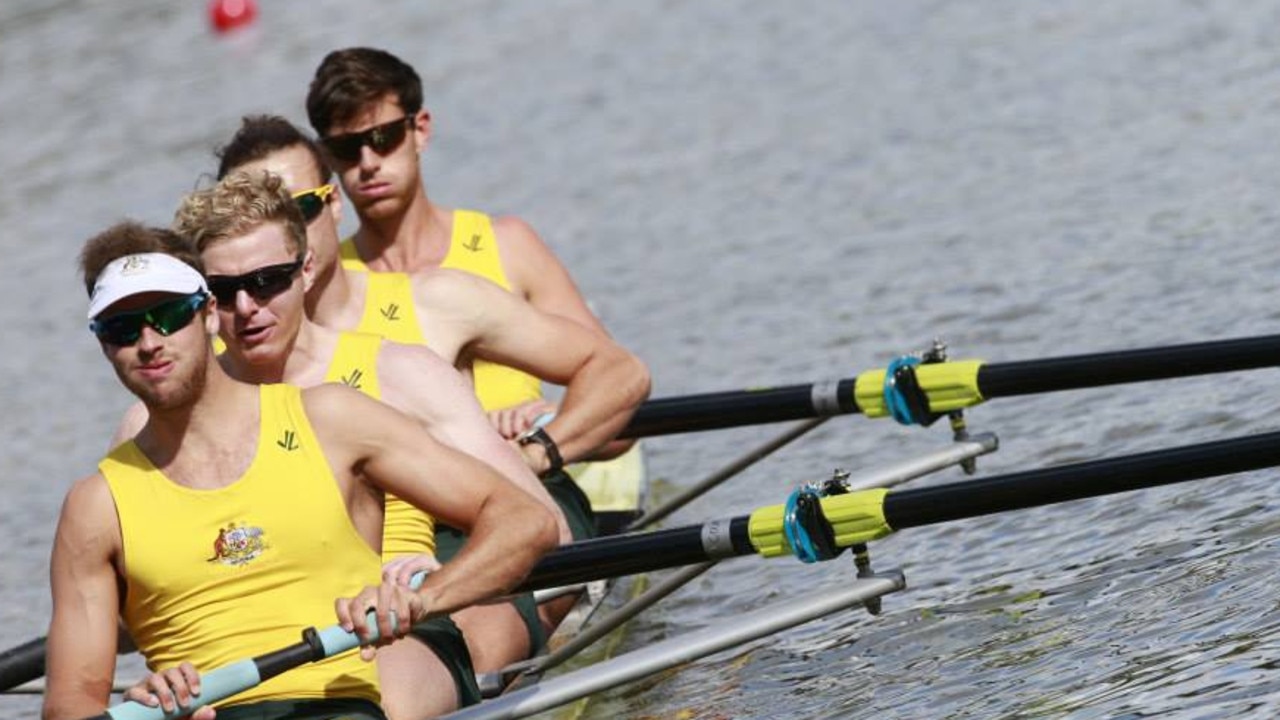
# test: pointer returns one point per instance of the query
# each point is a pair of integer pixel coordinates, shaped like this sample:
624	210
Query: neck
220	404
336	299
261	371
310	355
412	241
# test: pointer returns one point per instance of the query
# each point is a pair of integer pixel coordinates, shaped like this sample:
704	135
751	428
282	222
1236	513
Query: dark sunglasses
312	201
168	317
382	139
261	284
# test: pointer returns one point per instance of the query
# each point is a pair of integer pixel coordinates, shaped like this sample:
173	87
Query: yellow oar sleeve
948	385
855	517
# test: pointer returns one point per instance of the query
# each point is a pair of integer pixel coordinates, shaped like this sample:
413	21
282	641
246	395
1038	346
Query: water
754	194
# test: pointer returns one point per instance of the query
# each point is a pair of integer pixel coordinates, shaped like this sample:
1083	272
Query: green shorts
334	709
446	641
582	523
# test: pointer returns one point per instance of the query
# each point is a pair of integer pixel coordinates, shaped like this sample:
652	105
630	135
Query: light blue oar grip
335	640
218	685
215	686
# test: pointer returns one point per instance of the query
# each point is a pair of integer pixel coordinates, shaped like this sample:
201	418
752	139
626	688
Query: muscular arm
538	276
603	382
82	632
422	385
369	442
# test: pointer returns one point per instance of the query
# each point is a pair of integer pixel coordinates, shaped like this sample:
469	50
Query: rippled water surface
769	193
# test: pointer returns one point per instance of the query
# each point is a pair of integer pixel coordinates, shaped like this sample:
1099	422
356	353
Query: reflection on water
761	194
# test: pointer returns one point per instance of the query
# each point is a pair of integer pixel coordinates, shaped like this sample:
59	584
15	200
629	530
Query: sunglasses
312	201
168	317
382	139
261	284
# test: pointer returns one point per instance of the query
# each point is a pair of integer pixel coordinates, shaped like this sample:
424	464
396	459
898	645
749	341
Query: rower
238	513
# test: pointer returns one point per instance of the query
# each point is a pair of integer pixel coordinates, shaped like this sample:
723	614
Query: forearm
511	533
511	464
598	402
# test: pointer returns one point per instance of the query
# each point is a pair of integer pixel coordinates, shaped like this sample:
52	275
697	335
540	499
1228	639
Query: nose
150	340
369	160
245	304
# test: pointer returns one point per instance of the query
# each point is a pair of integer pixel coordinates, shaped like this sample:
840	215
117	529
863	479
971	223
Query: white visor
143	273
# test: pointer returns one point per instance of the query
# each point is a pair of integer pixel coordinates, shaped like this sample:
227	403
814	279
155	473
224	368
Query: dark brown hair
132	238
350	80
261	135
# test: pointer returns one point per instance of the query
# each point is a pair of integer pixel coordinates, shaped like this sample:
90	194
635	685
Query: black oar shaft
739	408
972	498
636	553
1127	366
21	664
734	408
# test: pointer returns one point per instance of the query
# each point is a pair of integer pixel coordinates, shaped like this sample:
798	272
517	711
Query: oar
858	517
219	684
948	386
890	476
22	664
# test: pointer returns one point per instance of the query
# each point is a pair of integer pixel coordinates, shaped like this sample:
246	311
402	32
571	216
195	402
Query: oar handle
228	680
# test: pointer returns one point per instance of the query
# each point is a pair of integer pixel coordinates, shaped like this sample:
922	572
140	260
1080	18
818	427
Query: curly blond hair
239	204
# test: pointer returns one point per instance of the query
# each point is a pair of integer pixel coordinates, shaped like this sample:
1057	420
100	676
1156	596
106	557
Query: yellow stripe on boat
615	485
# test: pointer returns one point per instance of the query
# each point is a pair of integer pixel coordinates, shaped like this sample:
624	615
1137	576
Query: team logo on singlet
391	312
238	544
288	441
473	244
353	379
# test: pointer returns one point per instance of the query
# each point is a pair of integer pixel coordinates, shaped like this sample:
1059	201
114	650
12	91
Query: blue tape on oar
228	680
894	400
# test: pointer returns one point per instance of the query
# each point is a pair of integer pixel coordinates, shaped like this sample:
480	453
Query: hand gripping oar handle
224	682
949	385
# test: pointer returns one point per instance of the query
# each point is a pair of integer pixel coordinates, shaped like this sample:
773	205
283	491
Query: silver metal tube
675	651
737	466
978	444
605	625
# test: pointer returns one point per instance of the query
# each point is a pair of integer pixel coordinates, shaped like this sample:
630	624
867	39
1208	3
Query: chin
172	393
382	208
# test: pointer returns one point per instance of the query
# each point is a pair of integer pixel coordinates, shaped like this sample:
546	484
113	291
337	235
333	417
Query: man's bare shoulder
415	373
88	510
514	234
328	400
450	288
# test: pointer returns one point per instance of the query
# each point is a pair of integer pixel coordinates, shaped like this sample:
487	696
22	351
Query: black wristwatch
539	435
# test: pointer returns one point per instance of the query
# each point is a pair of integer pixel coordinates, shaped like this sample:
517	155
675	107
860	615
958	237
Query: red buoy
228	15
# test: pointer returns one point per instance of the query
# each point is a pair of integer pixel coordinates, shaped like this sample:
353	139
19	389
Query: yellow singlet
216	576
474	249
405	528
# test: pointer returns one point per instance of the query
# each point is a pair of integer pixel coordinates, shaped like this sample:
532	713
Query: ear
421	130
335	204
211	322
308	270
